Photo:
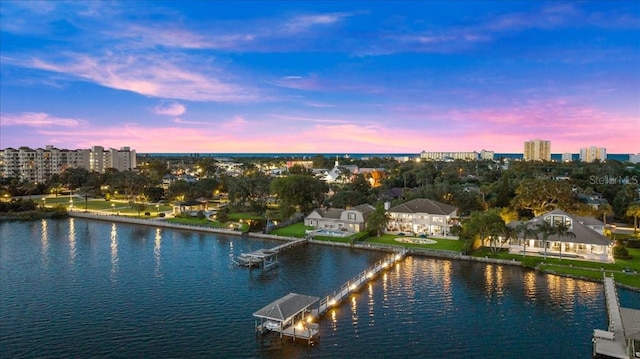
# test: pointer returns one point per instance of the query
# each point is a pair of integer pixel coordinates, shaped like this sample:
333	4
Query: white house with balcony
350	220
422	216
587	244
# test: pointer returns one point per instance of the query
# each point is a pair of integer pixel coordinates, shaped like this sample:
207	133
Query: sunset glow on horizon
308	77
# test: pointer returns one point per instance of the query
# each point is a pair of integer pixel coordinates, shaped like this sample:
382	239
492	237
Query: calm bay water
80	288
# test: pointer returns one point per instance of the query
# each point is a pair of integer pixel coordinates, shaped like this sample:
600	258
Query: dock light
397	257
300	326
385	265
332	302
353	286
370	274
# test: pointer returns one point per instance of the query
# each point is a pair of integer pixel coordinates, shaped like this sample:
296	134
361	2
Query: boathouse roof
286	307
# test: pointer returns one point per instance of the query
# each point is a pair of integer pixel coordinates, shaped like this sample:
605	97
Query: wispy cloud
309	119
185	122
170	108
151	75
38	119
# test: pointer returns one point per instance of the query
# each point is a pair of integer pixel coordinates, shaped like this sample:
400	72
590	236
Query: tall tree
298	192
378	219
527	232
634	211
543	195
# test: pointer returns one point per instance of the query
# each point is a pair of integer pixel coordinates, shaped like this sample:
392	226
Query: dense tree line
518	189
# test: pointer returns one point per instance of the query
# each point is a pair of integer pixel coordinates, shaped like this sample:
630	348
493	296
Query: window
351	216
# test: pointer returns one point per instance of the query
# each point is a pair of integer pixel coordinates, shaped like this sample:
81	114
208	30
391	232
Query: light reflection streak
114	251
334	320
72	241
530	285
44	239
354	310
385	289
156	251
371	304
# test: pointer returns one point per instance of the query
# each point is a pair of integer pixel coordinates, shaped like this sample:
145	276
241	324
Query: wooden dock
356	282
611	343
265	258
292	315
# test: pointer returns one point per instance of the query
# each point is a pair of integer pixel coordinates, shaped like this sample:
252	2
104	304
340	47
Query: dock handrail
351	285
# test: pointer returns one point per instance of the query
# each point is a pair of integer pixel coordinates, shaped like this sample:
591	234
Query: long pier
611	343
354	283
300	317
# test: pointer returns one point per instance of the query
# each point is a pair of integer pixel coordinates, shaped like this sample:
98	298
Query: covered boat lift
289	316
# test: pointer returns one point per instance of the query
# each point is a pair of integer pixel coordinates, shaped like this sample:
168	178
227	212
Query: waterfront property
351	220
587	244
622	339
422	216
185	300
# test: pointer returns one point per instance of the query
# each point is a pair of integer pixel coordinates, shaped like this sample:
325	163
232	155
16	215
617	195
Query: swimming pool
329	232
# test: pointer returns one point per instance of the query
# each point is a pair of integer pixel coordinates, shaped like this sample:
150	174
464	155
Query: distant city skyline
307	77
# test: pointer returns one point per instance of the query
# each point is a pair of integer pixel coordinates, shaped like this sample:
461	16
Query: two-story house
422	216
352	220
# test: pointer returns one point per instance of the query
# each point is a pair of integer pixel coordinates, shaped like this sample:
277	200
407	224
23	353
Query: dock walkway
264	257
300	323
611	343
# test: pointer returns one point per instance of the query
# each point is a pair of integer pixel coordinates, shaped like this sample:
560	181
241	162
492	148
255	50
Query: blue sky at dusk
331	77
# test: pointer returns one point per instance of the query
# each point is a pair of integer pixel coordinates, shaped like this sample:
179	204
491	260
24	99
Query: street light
113	205
158	209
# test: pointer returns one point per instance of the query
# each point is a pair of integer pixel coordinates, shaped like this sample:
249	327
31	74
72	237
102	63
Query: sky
320	77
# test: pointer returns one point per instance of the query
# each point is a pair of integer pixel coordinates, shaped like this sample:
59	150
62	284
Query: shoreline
442	254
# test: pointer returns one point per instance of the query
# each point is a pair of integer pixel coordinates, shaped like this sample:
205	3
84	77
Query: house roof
589	221
286	307
364	208
584	234
335	213
423	205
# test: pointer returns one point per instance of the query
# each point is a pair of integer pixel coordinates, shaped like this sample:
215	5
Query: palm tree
605	210
527	232
545	229
563	230
634	211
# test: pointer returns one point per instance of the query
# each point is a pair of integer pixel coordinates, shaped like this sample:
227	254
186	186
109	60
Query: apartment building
590	154
537	150
37	165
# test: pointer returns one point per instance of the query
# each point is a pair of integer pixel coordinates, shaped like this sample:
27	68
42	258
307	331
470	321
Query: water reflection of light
44	239
371	302
114	251
334	320
354	310
446	277
385	288
156	251
530	285
72	241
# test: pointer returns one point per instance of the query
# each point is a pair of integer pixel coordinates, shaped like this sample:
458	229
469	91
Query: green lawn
295	230
442	244
244	216
93	204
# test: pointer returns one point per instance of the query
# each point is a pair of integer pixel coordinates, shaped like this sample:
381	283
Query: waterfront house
352	219
587	244
422	216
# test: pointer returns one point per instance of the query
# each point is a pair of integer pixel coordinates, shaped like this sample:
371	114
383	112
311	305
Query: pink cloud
37	119
171	108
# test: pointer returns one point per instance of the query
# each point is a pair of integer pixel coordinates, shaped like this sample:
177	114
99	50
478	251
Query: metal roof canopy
631	323
286	307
